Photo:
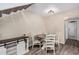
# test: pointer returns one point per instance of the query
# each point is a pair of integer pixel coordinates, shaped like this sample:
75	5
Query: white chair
57	39
50	42
38	41
34	41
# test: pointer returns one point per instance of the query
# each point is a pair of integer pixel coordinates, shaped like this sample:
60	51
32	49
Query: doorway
71	29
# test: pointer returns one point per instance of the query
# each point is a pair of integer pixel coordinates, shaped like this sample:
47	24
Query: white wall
20	23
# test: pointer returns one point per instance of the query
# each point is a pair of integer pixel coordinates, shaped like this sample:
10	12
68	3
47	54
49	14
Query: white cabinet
11	48
22	47
2	50
14	46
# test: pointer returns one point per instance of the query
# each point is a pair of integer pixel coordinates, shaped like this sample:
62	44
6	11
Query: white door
72	30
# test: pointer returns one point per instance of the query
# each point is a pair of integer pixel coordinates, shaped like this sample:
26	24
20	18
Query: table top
12	39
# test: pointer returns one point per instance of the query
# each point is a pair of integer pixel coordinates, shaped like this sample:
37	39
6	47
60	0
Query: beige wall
25	22
20	23
55	23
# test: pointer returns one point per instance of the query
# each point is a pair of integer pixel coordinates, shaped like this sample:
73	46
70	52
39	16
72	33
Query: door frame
66	20
75	21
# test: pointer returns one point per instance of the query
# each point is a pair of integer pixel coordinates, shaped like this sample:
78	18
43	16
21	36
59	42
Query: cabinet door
21	48
2	50
11	48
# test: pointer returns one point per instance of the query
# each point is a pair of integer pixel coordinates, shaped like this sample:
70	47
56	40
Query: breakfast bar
14	46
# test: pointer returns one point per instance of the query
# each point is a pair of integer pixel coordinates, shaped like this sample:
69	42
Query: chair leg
40	48
54	51
46	51
58	45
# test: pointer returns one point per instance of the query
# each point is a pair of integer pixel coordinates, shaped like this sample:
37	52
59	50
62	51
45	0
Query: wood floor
71	47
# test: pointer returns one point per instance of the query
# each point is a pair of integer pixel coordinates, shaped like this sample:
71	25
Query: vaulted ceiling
7	8
43	8
38	8
4	6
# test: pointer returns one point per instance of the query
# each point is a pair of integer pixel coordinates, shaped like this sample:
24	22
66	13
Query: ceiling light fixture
50	12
